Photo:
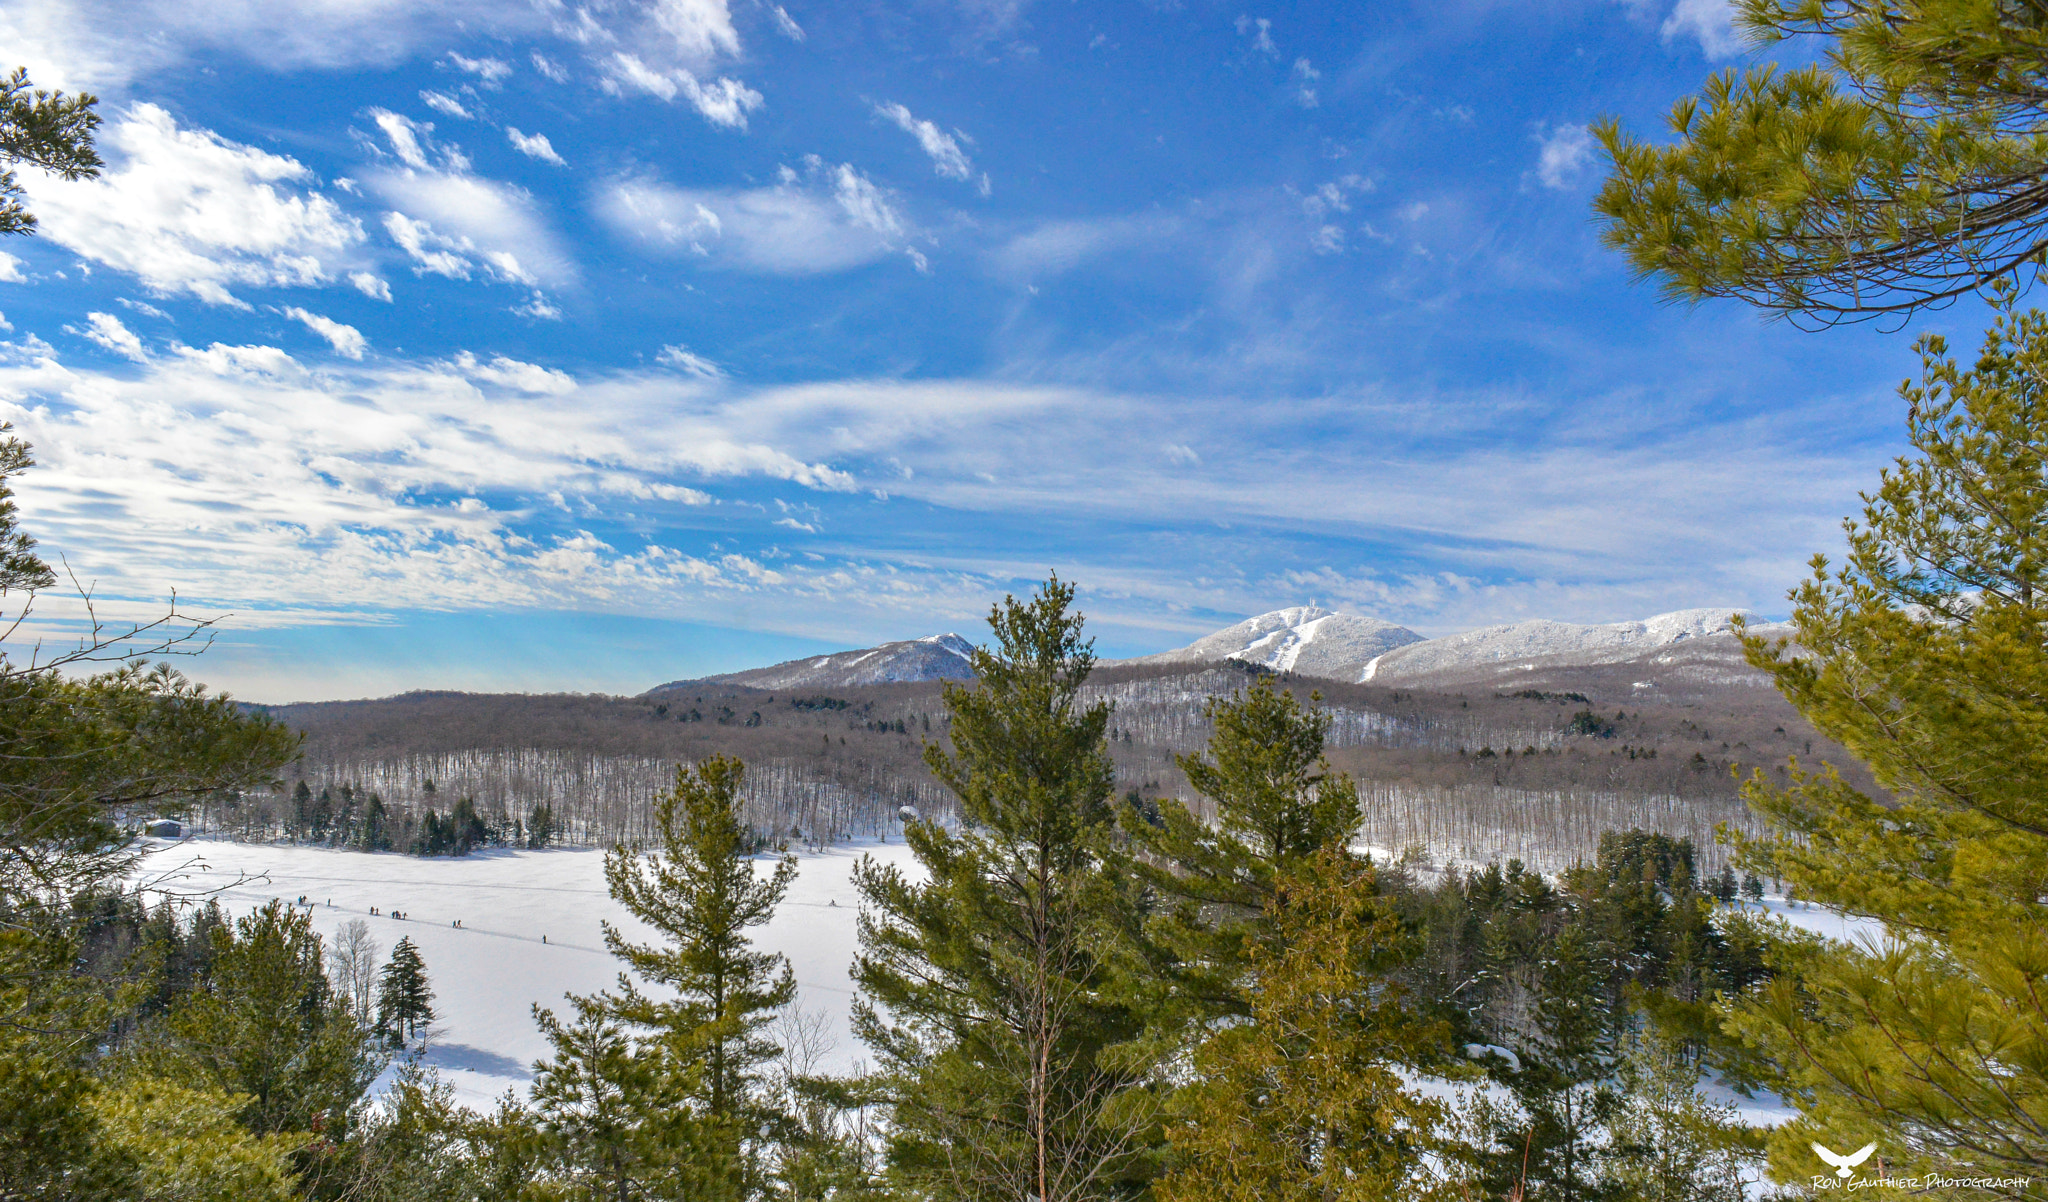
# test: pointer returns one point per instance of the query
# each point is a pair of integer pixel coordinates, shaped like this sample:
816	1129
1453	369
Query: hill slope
935	657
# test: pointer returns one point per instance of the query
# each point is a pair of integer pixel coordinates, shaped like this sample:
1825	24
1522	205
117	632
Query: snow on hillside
1542	639
487	975
934	657
1303	638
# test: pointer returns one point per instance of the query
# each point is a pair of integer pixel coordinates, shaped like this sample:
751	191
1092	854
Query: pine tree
1304	1102
186	1143
48	130
1667	1142
1904	170
1923	654
1277	805
615	1114
264	1024
994	992
404	998
53	1142
715	993
1548	1139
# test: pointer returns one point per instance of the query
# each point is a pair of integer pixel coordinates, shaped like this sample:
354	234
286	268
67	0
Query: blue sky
504	346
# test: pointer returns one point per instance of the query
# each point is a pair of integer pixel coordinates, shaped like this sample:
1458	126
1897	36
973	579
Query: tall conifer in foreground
1926	655
700	892
1304	1102
1277	806
991	991
614	1116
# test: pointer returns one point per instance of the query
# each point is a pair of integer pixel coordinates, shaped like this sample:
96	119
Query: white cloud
683	358
453	222
947	157
107	330
538	307
512	373
442	102
423	477
723	102
409	138
432	253
1056	247
370	285
1305	77
1327	240
1562	155
549	68
10	269
481	481
185	210
1260	30
825	218
862	201
699	31
1334	196
103	45
786	25
1710	22
346	340
489	70
533	146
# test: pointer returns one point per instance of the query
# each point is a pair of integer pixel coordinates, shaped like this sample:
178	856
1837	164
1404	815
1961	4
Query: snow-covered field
487	974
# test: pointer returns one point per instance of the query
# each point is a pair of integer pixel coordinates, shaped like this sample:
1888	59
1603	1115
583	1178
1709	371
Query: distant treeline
452	803
1535	774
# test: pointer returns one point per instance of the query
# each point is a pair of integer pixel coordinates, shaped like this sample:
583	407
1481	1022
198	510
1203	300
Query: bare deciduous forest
1529	764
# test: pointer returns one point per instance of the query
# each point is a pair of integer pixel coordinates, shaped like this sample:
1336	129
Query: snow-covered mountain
1490	651
934	657
1316	642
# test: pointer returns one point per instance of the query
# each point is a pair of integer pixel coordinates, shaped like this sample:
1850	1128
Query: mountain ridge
1306	640
1473	656
1301	638
933	657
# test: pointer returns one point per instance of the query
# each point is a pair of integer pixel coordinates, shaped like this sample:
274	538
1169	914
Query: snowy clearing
488	974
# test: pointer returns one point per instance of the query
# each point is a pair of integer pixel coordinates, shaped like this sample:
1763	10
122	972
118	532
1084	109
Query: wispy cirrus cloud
723	101
484	480
425	475
825	217
948	159
533	146
453	222
105	44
